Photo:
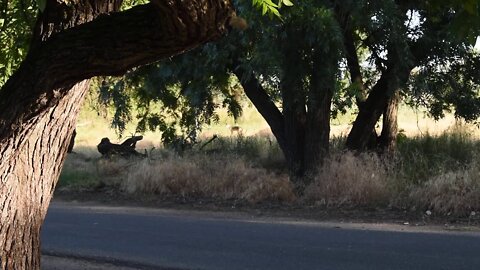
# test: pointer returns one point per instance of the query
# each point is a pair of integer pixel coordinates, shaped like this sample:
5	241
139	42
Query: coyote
235	129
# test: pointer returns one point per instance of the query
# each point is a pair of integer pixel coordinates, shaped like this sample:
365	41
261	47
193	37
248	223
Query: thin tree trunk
351	55
264	104
388	137
353	63
40	102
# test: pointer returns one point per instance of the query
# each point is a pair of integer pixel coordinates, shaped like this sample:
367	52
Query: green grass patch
77	179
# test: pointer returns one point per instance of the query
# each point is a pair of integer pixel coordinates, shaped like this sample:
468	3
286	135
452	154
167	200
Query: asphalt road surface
168	239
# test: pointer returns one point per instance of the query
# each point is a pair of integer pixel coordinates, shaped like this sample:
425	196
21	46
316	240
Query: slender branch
351	54
262	101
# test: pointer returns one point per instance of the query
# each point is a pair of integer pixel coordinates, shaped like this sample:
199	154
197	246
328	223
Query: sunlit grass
435	167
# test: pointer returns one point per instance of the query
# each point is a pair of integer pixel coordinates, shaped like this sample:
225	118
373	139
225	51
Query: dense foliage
17	19
320	58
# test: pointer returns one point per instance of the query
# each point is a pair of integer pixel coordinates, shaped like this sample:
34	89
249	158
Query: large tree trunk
40	102
322	83
33	161
303	135
29	168
294	112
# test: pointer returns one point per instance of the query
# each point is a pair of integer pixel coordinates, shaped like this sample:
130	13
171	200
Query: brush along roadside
424	176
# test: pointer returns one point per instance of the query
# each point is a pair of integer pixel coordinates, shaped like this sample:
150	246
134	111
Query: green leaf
275	12
287	3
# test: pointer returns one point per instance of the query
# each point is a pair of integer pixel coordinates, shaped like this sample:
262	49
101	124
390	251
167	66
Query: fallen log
125	149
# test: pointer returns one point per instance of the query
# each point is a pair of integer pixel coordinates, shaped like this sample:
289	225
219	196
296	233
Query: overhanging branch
108	45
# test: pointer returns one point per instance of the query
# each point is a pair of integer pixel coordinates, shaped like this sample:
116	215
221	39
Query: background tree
284	66
402	36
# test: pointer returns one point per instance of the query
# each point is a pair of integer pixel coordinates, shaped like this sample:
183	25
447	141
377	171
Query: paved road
186	240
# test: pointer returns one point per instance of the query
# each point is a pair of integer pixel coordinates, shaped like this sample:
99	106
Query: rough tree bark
381	99
369	114
387	141
294	113
73	41
317	138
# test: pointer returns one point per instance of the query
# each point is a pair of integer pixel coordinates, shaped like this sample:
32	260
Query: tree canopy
358	51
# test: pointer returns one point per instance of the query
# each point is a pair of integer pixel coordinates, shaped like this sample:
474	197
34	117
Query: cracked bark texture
74	41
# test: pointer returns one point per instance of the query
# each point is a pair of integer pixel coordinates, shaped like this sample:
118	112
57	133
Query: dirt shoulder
403	218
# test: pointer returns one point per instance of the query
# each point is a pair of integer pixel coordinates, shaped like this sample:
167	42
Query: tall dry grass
455	192
225	177
349	179
437	173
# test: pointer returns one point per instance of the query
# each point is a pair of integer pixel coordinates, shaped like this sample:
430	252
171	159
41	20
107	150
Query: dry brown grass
428	173
455	192
114	171
348	179
221	178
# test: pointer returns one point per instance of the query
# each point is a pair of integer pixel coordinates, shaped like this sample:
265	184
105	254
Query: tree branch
264	104
108	45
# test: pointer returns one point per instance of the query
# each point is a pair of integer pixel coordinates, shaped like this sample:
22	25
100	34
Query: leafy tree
321	58
398	45
284	66
71	42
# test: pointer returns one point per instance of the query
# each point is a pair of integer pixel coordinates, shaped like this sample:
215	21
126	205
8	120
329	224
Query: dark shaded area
72	142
